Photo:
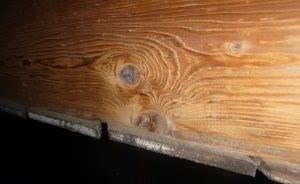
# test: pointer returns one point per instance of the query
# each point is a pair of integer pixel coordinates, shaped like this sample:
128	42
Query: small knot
153	122
233	47
129	74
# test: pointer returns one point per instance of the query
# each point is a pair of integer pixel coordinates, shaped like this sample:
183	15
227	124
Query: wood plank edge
282	172
198	153
13	108
278	171
90	128
86	127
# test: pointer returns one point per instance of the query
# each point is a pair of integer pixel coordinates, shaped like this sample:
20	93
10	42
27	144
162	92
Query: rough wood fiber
223	73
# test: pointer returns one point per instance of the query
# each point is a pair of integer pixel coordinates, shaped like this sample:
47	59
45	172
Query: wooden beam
224	74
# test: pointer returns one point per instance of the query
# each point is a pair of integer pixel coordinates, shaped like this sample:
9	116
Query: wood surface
224	73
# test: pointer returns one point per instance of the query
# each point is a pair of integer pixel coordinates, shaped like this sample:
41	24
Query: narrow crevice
104	131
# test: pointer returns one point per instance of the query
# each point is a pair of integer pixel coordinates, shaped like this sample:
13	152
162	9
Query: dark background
34	152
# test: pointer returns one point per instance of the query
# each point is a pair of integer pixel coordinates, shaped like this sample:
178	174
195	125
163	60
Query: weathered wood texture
223	73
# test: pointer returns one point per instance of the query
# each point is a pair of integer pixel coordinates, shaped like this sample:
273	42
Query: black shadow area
33	152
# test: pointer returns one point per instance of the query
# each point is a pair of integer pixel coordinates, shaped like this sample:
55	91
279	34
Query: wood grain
223	73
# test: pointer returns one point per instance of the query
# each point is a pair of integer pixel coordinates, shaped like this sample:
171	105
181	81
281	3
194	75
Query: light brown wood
223	73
